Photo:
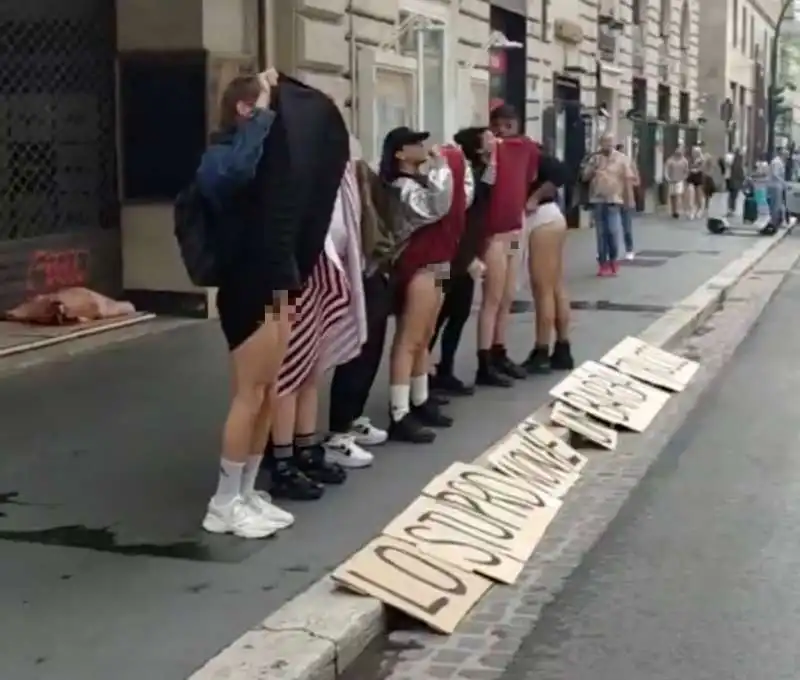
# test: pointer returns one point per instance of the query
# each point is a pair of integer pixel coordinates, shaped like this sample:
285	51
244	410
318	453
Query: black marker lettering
471	489
604	409
456	587
487	531
583	424
465	502
480	555
502	496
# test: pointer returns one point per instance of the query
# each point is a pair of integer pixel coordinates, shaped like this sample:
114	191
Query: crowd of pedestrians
313	250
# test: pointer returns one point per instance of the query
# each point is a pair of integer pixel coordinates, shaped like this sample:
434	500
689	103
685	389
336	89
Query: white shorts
676	189
545	214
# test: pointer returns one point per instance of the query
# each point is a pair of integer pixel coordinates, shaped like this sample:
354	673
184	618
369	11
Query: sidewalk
113	452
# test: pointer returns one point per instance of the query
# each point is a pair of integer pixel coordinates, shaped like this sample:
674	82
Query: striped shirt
325	328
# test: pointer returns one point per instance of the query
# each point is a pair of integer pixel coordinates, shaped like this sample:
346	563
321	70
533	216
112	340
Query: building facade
107	106
735	72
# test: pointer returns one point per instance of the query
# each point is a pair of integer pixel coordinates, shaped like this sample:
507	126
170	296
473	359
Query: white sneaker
366	434
342	449
237	518
261	501
630	255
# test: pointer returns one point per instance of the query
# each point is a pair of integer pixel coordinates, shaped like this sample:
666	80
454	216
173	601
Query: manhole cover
643	263
609	306
661	253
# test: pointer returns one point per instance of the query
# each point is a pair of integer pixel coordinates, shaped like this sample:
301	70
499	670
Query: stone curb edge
321	632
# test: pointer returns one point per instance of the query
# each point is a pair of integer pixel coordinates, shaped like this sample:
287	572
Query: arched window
685	27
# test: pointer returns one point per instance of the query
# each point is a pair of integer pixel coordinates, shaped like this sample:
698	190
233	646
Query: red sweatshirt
517	165
437	243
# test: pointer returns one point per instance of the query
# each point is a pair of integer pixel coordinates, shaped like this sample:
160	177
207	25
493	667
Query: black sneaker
488	375
538	361
561	358
410	430
505	366
438	398
311	462
291	484
430	415
449	384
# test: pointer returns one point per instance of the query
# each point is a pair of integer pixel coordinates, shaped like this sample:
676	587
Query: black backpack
194	232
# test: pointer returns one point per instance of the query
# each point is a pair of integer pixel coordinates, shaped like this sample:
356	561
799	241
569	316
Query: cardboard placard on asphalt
651	364
497	497
611	396
581	423
470	541
402	576
533	454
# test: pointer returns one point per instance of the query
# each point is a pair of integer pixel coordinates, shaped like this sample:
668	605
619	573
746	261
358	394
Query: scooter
756	214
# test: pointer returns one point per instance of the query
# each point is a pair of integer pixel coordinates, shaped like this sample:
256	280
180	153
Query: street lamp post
772	115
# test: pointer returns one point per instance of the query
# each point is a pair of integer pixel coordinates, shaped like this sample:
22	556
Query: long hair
241	89
471	142
388	169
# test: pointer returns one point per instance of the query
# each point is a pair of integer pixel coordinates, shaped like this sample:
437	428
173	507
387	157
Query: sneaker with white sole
238	518
366	434
262	502
343	450
630	255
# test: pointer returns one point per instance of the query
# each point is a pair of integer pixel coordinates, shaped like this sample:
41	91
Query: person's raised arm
228	166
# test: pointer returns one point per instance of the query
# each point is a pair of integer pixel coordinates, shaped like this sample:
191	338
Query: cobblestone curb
320	633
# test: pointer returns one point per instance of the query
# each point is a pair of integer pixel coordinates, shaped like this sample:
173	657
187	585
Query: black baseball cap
402	136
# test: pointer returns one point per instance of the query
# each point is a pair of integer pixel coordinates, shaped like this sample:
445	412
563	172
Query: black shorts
696	179
242	312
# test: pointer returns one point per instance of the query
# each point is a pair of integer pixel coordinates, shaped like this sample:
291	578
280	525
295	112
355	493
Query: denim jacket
231	159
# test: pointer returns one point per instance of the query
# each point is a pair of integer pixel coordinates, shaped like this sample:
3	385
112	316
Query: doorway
567	103
508	67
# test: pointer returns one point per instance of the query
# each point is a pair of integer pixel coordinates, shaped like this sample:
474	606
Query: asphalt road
107	460
697	577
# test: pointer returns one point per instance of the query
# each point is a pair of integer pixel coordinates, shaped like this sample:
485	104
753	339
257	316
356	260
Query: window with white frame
425	42
394	102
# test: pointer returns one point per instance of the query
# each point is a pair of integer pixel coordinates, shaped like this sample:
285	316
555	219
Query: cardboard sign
651	364
611	396
402	576
523	509
470	541
581	423
533	454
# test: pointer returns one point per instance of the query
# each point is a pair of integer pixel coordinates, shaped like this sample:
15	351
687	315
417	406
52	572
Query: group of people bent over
319	250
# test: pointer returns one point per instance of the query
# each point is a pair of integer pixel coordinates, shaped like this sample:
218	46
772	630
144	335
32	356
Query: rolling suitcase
750	208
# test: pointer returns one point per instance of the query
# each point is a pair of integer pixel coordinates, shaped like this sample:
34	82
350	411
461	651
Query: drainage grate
643	263
661	253
609	306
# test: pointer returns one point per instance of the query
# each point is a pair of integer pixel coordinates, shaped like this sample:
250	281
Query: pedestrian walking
676	174
629	208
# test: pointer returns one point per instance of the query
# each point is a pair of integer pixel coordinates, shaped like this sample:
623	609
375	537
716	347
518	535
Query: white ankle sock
399	396
250	474
419	389
230	481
